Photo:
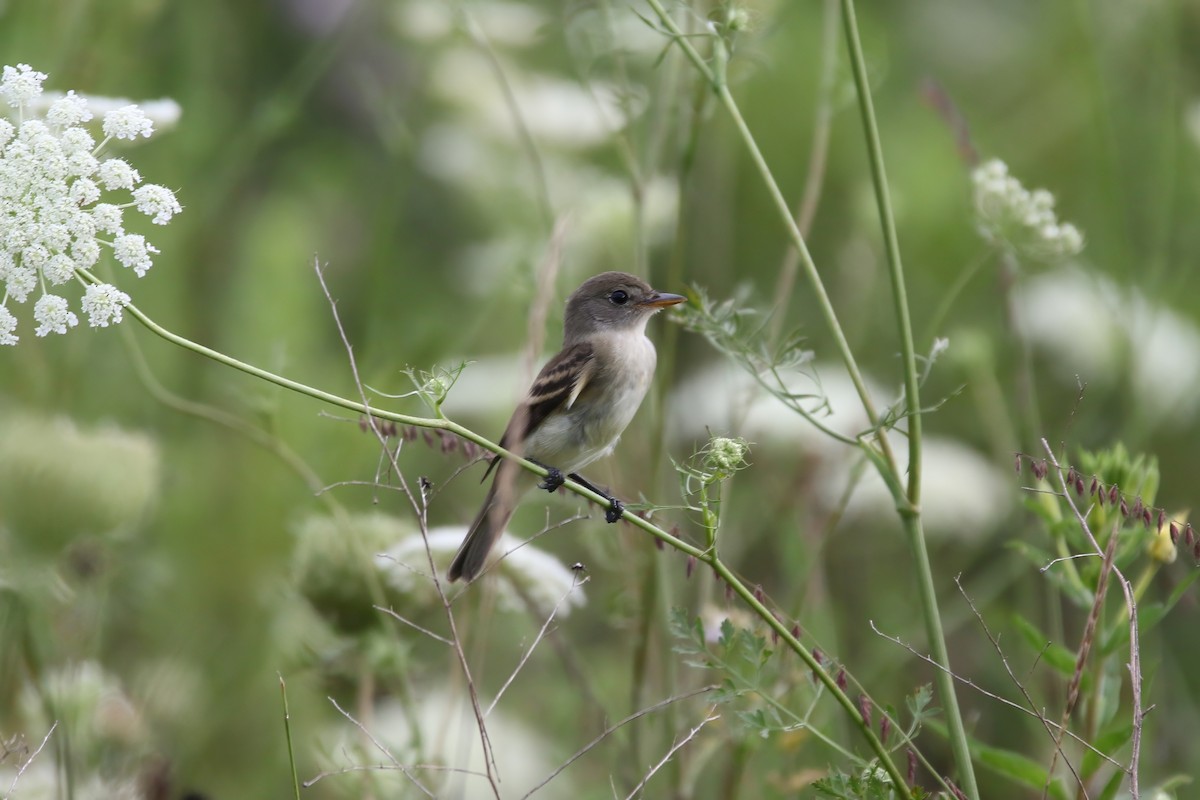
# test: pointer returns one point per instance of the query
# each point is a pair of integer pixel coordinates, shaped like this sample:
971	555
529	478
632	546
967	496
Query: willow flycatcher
578	406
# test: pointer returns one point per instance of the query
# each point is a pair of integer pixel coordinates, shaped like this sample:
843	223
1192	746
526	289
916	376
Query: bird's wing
557	385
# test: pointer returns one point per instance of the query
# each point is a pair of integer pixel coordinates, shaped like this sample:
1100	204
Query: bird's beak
663	299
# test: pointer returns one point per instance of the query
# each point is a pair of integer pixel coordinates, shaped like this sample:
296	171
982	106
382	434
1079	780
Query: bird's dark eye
620	297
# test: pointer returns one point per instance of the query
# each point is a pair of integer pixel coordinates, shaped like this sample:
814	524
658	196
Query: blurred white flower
440	728
963	492
489	387
723	398
963	495
90	706
1191	121
555	111
163	113
21	84
505	24
1102	333
1012	216
50	217
521	570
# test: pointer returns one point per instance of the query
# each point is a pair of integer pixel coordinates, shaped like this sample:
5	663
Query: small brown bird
578	406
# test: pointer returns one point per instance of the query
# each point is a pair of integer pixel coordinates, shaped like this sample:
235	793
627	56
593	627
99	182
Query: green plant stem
907	500
910	513
287	730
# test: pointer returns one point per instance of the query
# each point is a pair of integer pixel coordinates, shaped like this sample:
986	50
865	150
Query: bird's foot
554	479
615	507
614	511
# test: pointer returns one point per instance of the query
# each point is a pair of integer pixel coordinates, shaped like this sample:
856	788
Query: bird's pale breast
570	439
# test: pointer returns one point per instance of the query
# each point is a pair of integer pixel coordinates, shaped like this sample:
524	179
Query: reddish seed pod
1017	463
885	727
1137	508
1174	533
1113	494
758	594
818	656
1196	551
1095	486
1124	508
1162	517
1147	518
912	767
691	565
658	544
840	680
796	632
728	593
864	708
1071	475
1079	485
1189	535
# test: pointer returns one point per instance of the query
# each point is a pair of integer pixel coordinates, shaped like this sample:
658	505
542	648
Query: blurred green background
378	138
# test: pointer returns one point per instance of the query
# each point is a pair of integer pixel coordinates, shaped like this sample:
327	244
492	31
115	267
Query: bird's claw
614	511
554	479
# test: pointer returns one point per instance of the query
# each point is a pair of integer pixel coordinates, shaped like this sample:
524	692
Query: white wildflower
156	201
133	251
59	269
524	571
103	303
21	84
115	173
128	122
68	110
52	314
21	281
52	184
1012	216
8	324
84	191
108	218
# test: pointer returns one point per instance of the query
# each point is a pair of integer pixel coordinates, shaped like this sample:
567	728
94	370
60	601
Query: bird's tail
493	517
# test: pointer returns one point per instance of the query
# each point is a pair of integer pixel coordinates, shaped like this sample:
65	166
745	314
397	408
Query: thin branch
1055	737
675	747
21	771
1002	700
381	747
575	584
613	728
391	613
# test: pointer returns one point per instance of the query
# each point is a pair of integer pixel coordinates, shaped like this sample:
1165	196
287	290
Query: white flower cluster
1012	216
527	574
52	222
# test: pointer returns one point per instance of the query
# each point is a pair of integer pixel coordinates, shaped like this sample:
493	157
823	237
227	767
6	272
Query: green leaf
1018	769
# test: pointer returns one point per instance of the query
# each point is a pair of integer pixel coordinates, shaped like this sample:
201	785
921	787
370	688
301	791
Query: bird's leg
615	507
554	477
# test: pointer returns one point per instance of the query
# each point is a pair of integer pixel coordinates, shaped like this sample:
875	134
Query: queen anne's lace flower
103	303
1012	216
53	315
52	223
